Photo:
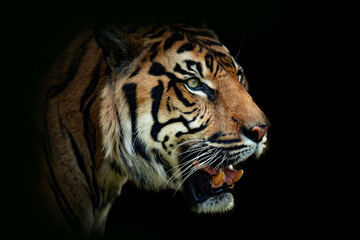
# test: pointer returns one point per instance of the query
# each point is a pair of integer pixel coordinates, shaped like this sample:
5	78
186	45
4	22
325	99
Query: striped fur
117	108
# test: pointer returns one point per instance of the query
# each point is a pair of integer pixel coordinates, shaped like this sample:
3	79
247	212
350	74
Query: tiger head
176	112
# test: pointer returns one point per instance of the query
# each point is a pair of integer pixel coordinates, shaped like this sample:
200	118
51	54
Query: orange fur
120	112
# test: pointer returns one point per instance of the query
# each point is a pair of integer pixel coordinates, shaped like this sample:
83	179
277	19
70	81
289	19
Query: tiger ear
118	47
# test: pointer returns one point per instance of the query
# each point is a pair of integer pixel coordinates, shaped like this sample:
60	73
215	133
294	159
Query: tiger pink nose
256	133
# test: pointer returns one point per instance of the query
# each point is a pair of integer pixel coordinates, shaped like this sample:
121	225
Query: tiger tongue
221	175
228	175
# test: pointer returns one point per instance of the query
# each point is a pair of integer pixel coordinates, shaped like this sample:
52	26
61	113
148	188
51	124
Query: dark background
284	48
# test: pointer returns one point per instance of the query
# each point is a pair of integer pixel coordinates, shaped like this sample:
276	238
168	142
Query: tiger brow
198	68
180	70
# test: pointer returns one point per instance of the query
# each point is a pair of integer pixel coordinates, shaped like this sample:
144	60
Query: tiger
162	106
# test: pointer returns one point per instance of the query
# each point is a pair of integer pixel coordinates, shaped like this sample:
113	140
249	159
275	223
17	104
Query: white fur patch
200	93
216	204
261	146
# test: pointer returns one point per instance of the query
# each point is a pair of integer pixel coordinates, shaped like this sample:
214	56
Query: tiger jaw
209	187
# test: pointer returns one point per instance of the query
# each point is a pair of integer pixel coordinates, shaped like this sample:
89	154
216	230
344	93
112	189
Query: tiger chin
161	106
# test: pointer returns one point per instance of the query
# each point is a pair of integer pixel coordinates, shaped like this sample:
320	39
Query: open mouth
209	189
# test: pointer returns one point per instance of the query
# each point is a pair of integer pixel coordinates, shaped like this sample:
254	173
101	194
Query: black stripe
157	35
154	50
228	141
173	39
89	129
216	136
158	69
168	104
179	95
135	72
163	143
182	71
62	125
156	94
69	219
209	42
190	63
82	166
63	203
129	90
90	132
90	137
217	69
92	86
79	157
71	73
192	111
194	130
186	47
223	60
233	148
203	115
115	167
196	116
150	32
209	60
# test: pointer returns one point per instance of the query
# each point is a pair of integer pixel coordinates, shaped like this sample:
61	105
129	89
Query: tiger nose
256	133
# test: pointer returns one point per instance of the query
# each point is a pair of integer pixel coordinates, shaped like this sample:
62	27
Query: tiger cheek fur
162	107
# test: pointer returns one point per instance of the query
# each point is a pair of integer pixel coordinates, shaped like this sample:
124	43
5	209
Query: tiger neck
74	160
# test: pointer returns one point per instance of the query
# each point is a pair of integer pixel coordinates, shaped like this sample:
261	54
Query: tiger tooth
238	175
216	180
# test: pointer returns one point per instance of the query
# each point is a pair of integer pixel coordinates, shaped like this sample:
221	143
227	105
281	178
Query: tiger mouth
210	182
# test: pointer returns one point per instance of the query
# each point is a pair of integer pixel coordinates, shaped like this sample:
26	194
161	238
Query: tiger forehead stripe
173	39
186	47
190	64
215	58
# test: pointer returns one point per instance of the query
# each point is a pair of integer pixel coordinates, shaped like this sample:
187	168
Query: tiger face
176	113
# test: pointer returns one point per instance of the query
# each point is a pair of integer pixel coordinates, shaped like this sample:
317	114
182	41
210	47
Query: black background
284	48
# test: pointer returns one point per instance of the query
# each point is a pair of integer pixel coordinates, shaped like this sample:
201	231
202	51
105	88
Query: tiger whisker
186	142
191	160
219	164
182	167
209	161
177	173
192	171
191	150
199	165
182	170
186	165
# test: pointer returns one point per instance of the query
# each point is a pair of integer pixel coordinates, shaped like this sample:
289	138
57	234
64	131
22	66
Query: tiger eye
193	82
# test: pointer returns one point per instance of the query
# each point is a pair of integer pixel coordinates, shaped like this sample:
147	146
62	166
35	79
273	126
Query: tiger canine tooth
217	179
238	175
